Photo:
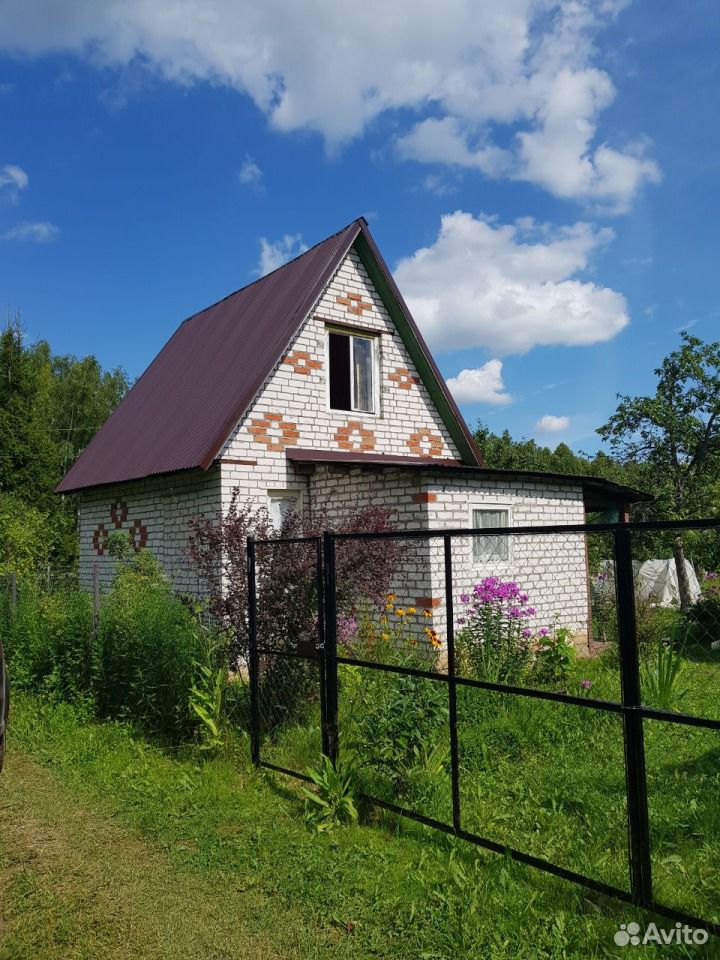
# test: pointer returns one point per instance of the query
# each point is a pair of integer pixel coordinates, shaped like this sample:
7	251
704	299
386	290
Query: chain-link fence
549	693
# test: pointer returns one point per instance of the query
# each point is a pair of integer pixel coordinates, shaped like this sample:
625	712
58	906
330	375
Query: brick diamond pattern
354	436
100	538
138	535
425	443
301	362
402	377
354	304
274	431
119	513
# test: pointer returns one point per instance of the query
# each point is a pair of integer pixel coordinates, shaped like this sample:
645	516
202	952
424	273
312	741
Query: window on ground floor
281	503
494	548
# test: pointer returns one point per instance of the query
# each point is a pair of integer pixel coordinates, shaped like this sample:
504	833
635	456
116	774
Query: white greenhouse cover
656	582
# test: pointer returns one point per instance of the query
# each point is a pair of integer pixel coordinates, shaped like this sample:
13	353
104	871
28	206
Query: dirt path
75	885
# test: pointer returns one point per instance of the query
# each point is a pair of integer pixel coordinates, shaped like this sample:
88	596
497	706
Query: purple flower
464	598
347	628
527	633
530	612
543	631
586	684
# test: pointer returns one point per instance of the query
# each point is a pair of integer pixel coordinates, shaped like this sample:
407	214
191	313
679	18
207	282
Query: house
313	384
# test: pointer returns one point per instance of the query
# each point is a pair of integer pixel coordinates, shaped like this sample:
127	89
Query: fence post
635	775
13	591
96	597
253	663
452	686
320	645
330	736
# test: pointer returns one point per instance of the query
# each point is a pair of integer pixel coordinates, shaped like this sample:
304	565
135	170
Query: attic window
352	372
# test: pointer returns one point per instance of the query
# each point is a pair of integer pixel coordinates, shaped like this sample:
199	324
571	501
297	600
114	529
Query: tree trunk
682	577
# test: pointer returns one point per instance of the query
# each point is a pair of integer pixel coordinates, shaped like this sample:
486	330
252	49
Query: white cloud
35	231
481	385
552	424
250	173
509	287
12	180
274	255
500	88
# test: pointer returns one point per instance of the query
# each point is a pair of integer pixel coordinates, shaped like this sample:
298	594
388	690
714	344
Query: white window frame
374	339
284	493
491	505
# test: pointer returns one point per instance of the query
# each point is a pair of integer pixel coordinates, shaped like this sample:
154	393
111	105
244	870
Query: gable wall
292	408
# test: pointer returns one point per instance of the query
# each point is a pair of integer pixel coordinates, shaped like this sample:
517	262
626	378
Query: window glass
362	374
339	356
494	548
280	504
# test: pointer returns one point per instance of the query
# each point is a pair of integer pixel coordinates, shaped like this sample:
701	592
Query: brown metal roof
183	408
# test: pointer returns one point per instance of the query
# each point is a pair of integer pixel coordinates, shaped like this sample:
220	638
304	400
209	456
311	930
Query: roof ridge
357	220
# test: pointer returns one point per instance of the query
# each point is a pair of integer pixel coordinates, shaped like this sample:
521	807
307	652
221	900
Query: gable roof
183	408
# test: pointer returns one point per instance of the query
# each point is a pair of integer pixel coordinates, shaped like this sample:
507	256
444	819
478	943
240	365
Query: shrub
148	646
48	640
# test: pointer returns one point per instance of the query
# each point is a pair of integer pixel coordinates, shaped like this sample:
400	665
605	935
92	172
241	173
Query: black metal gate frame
630	707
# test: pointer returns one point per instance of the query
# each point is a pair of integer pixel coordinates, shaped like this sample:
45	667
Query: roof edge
380	274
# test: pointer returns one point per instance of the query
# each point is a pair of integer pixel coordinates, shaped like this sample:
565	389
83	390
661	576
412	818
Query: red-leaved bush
286	574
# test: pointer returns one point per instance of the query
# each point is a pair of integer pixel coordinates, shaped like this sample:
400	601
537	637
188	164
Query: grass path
77	884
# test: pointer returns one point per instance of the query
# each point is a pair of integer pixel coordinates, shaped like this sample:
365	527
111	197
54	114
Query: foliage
48	639
332	804
207	695
495	642
50	407
24	537
148	645
392	722
286	573
554	656
661	674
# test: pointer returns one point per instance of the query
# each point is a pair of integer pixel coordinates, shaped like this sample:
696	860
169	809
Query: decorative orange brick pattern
119	513
274	431
403	378
425	443
354	304
355	436
100	539
428	603
301	362
138	535
424	497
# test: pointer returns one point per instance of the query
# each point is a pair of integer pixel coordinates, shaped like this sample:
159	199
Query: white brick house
313	385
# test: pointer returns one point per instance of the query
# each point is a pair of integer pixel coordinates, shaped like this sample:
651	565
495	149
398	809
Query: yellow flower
435	639
427	614
386	636
427	630
388	606
411	611
400	611
391	597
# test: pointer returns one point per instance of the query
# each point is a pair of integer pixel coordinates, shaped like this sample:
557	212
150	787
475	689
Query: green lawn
111	847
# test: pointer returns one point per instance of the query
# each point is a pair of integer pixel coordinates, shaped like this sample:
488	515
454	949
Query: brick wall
550	568
156	512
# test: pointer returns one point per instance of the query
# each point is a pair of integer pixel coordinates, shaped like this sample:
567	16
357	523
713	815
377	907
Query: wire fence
547	693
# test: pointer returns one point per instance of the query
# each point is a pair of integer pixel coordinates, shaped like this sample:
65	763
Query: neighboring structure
312	385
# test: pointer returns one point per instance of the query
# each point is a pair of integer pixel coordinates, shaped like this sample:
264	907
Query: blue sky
544	178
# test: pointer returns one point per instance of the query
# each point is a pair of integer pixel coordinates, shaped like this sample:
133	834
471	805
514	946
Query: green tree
675	435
